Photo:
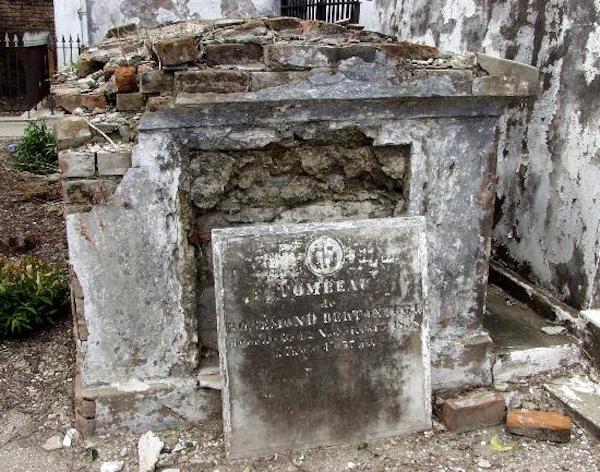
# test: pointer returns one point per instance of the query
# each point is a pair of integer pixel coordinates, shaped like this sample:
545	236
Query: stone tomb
323	333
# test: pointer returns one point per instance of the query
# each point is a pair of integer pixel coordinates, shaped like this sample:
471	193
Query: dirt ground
36	382
31	214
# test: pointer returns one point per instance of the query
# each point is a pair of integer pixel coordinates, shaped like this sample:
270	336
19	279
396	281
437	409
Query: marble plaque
322	332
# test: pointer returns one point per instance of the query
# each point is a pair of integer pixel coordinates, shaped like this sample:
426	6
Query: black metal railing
26	68
68	51
25	77
332	11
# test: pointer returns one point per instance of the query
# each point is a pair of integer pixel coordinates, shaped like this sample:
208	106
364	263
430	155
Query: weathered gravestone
322	333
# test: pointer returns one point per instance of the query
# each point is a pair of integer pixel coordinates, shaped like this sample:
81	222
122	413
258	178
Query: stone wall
106	14
548	204
27	16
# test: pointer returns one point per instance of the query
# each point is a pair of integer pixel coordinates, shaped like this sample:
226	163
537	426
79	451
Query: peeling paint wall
548	194
106	14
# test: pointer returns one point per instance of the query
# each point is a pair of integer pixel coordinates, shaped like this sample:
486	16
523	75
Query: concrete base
153	406
522	348
581	396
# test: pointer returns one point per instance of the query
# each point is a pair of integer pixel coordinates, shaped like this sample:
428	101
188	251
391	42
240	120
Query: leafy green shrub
37	151
32	294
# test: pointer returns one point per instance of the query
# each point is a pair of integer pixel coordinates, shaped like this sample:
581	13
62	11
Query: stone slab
323	333
581	396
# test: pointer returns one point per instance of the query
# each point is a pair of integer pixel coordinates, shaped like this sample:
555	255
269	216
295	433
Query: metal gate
25	73
332	11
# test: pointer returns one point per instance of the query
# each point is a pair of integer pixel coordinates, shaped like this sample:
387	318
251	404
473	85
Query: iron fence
332	11
26	68
25	77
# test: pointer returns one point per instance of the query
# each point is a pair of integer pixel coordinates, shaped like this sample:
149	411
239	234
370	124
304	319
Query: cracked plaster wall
548	194
106	14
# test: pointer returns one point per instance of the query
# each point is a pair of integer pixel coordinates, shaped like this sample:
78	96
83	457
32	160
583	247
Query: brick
473	411
94	101
321	27
262	80
113	163
156	81
404	50
67	98
284	23
216	81
176	51
125	79
294	57
71	132
89	192
86	426
158	103
215	54
85	407
542	425
87	66
76	289
77	164
130	101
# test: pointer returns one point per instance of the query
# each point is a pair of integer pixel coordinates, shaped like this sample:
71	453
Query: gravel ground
31	213
35	404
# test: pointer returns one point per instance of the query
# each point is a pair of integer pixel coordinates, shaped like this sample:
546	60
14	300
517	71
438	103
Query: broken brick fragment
125	79
542	425
473	411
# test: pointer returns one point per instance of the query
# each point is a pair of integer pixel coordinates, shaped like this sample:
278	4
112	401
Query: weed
37	151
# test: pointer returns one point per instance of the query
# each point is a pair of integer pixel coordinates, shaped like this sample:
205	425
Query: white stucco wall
106	14
70	20
548	205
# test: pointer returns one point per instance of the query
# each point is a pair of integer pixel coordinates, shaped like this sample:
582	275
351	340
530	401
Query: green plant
33	294
37	151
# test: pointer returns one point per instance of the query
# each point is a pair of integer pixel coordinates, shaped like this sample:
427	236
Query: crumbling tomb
192	127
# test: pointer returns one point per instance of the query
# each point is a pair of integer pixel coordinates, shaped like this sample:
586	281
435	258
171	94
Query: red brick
322	27
85	407
86	426
175	51
473	411
125	79
284	23
404	50
542	425
93	101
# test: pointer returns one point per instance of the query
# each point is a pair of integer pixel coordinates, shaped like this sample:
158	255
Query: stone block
342	341
158	103
498	67
284	23
125	79
76	289
113	163
297	57
403	50
67	98
93	101
71	132
317	27
130	101
176	51
473	411
77	164
262	80
89	192
156	81
215	81
231	53
541	425
492	86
